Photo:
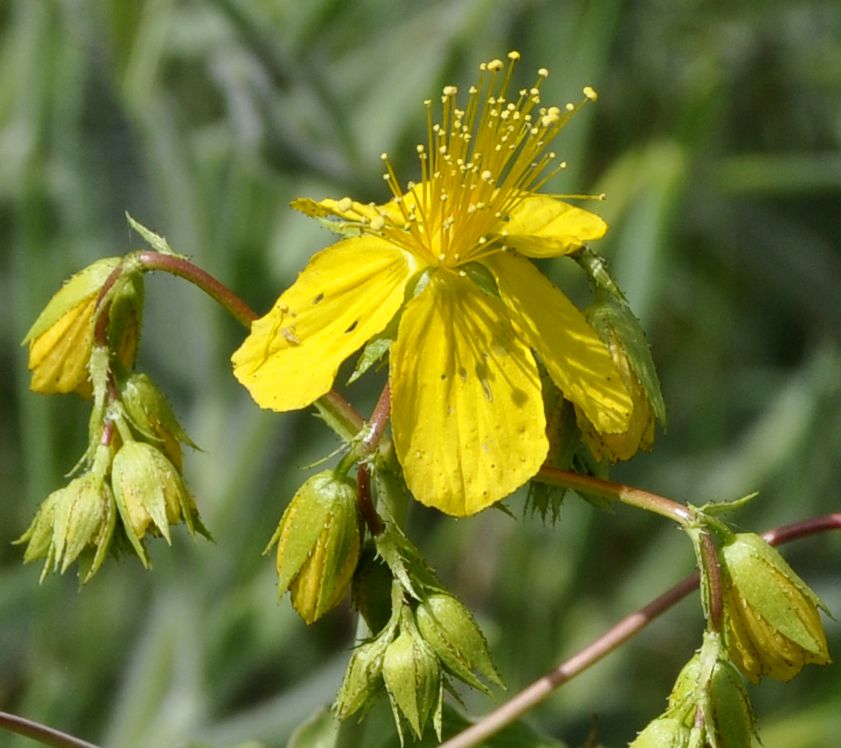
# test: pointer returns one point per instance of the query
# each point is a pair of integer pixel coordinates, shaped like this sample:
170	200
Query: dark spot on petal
318	298
352	326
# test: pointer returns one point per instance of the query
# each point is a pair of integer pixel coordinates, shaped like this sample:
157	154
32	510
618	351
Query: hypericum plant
495	380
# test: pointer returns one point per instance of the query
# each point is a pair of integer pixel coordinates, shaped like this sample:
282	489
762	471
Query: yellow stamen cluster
478	164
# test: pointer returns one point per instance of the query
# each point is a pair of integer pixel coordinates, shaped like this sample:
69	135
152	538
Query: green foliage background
716	138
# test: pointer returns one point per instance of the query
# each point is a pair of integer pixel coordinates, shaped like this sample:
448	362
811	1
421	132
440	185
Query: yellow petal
467	412
575	357
543	226
346	294
58	357
346	209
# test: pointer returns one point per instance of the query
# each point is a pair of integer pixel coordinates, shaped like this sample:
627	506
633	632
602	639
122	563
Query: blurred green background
716	138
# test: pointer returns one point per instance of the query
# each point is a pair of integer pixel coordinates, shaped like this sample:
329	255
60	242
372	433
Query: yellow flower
449	255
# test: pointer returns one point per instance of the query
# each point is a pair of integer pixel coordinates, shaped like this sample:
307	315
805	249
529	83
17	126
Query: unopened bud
413	679
663	732
152	416
773	624
77	518
728	718
612	318
452	632
150	495
363	681
60	340
318	544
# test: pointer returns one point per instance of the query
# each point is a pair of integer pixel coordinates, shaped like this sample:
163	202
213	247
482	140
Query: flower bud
772	620
453	634
60	341
612	318
363	681
151	414
79	517
318	544
728	718
150	495
707	706
61	338
413	679
663	732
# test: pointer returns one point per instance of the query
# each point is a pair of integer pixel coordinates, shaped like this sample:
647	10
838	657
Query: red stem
176	265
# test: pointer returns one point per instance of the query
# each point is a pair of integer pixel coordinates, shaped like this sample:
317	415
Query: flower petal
543	226
576	359
346	294
467	411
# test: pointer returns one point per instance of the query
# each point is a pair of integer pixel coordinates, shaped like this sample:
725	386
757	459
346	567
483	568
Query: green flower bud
728	719
79	517
453	634
152	416
682	699
61	339
413	679
150	495
363	681
318	544
663	732
614	321
773	626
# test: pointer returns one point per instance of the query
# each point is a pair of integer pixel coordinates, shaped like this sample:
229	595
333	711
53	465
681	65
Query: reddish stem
378	421
709	558
41	733
629	495
366	506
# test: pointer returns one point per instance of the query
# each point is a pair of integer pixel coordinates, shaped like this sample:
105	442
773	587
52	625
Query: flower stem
334	409
379	420
712	574
41	733
629	495
183	268
533	694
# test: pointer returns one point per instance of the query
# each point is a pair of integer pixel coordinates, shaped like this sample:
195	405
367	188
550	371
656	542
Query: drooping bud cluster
429	636
131	484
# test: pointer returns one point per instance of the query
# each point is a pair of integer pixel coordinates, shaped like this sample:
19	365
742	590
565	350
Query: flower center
478	164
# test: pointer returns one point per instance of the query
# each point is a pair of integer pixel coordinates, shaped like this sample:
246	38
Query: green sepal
716	508
372	353
452	632
155	241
